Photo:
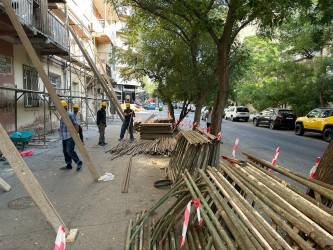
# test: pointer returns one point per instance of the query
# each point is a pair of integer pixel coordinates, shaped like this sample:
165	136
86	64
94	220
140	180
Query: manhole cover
21	203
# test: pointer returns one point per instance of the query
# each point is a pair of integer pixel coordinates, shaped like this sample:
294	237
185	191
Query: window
30	82
314	113
56	82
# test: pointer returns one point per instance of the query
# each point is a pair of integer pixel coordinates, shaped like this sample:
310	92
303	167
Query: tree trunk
198	106
223	89
171	111
324	171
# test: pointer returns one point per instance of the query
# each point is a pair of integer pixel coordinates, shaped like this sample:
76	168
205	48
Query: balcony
45	31
102	28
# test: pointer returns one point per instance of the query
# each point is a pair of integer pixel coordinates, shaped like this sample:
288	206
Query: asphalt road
297	153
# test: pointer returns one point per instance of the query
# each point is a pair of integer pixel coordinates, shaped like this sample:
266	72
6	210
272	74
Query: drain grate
21	203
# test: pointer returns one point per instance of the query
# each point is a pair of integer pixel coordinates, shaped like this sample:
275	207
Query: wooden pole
37	64
108	90
4	185
29	181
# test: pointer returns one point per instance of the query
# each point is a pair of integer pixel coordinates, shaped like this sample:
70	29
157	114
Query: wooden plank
4	185
109	92
29	181
37	64
114	96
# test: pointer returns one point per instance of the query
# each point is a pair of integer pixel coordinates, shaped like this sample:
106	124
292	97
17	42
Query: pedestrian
208	117
79	120
68	144
128	121
101	123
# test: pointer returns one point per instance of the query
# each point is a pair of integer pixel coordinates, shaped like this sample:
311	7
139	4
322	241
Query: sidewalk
99	210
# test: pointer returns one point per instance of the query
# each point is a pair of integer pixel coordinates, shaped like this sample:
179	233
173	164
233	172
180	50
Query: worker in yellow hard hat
128	122
68	144
101	124
79	120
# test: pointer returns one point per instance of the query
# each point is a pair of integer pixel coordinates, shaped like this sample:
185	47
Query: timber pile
163	120
150	118
194	150
242	207
155	130
160	146
137	124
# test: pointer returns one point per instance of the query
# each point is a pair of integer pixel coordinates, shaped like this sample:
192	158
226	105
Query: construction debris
127	176
155	130
137	124
150	118
160	146
194	150
241	208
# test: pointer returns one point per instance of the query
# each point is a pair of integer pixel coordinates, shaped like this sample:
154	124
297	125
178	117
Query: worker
101	123
128	121
79	120
208	117
68	144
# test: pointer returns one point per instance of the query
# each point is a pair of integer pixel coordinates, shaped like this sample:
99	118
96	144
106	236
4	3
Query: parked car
235	113
319	120
150	106
180	105
275	117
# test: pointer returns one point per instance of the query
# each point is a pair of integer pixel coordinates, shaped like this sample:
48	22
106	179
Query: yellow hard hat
64	103
128	105
104	104
75	106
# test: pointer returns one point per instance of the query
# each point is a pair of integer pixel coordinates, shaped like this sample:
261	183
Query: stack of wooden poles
163	120
160	146
243	206
195	149
155	130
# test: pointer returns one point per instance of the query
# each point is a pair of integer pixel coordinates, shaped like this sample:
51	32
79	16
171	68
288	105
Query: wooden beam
108	90
4	185
28	180
37	64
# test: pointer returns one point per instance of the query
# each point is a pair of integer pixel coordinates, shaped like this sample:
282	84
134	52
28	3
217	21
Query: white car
235	113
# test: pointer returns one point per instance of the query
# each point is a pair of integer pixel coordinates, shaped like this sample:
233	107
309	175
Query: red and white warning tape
314	168
277	151
60	242
187	217
235	147
219	135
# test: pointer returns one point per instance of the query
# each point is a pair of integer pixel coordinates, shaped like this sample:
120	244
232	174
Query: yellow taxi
319	120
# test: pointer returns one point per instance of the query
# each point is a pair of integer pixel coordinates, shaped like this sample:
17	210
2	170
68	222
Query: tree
156	48
222	20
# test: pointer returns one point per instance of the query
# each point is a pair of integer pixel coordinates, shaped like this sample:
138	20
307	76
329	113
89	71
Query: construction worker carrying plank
128	121
68	144
101	123
79	120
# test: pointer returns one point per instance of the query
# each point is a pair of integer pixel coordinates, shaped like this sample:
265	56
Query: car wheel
299	130
233	119
255	122
328	133
271	125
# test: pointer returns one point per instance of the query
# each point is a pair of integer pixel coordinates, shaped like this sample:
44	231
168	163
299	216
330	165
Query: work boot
67	167
105	143
120	139
100	143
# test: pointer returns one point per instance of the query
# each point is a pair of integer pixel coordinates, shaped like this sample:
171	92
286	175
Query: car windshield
242	109
286	112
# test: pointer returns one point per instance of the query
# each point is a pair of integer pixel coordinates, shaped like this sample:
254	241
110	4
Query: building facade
24	102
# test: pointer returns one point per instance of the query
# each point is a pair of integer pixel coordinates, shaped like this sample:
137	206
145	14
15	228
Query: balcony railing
23	9
49	25
55	30
102	26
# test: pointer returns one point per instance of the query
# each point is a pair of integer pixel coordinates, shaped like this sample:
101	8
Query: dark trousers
101	130
69	153
124	127
80	133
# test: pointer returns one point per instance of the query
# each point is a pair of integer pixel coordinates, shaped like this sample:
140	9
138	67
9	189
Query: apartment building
24	102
